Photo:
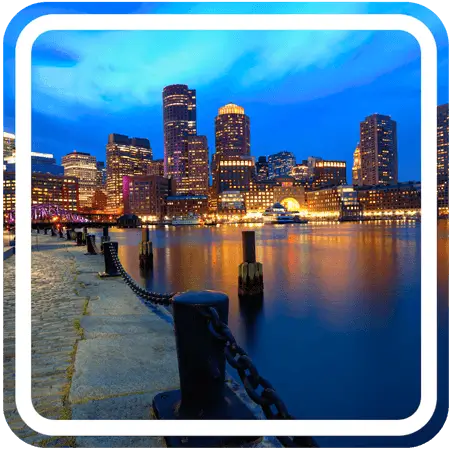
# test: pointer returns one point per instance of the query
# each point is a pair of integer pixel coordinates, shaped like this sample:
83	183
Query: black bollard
45	230
79	238
37	230
61	234
68	236
105	231
203	394
52	231
110	267
90	241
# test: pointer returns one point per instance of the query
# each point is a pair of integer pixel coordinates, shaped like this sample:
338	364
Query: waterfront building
231	203
82	166
259	196
156	167
356	169
183	205
46	189
334	203
262	169
442	159
401	199
99	200
329	173
378	150
180	121
145	196
196	183
233	173
281	164
290	193
124	156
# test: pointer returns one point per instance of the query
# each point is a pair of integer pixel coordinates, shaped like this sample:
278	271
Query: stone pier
97	351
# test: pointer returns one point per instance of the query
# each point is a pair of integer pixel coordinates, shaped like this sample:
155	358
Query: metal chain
258	388
152	297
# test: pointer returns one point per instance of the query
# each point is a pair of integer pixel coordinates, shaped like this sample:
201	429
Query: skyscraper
442	159
232	150
232	131
281	164
262	169
198	167
124	156
82	166
329	173
180	121
356	169
378	150
9	145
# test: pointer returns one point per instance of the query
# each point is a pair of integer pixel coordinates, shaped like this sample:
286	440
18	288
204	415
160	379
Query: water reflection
338	330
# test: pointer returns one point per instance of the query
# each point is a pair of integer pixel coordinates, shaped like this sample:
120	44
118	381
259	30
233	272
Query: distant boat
190	219
278	214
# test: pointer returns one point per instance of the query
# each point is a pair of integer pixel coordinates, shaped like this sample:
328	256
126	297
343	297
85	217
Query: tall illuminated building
124	156
198	167
82	166
281	164
232	129
442	159
156	167
356	169
378	150
180	121
329	173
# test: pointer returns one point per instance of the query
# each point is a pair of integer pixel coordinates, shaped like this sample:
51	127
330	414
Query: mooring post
79	238
85	231
250	271
145	250
52	231
61	234
110	267
203	394
105	237
45	230
90	242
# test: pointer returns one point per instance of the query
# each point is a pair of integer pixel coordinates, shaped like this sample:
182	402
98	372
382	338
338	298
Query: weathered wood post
250	272
203	393
145	250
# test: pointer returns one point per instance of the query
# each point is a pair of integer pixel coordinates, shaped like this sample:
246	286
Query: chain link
148	296
258	388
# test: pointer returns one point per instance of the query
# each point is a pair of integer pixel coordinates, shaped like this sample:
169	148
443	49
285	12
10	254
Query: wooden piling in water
250	279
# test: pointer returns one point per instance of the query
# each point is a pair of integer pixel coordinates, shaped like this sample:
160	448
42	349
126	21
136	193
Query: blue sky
305	91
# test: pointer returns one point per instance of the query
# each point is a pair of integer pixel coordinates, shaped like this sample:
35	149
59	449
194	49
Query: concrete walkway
98	352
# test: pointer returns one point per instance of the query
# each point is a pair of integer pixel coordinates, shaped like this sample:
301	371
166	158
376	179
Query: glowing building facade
329	173
82	166
356	169
281	164
378	150
124	156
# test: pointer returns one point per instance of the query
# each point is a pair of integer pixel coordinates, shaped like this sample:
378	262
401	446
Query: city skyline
297	99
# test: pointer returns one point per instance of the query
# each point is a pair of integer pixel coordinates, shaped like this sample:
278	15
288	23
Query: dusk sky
305	91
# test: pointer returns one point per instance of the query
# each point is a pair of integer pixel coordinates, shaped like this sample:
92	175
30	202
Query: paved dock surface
97	351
